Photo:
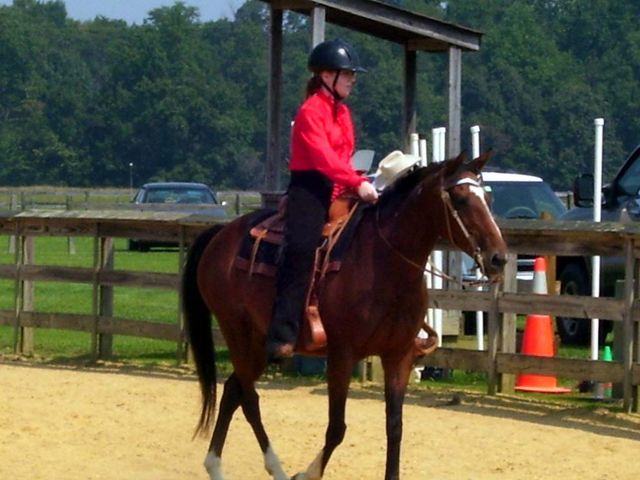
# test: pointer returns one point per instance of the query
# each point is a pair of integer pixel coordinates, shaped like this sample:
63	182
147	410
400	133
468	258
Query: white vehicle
514	195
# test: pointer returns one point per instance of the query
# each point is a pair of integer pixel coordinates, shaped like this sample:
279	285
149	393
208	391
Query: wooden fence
500	360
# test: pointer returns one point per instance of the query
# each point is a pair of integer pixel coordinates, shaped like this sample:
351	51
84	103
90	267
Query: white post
475	153
424	159
437	256
414	140
597	216
475	141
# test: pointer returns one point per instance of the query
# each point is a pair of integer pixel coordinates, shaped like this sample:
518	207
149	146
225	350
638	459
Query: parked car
515	195
187	197
620	202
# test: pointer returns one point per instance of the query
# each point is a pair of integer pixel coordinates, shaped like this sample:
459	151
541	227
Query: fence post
12	238
492	343
71	241
508	338
627	351
105	341
635	329
23	336
181	349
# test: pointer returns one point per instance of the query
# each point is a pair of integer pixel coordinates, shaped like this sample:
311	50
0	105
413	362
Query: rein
449	208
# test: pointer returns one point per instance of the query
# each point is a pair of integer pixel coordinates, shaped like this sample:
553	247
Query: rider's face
346	81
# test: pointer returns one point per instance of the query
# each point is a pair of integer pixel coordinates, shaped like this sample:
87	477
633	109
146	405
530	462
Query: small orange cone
538	340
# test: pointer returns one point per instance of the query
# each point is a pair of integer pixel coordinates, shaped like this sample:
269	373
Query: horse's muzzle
494	266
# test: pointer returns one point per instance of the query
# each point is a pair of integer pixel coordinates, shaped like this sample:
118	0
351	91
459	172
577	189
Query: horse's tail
198	325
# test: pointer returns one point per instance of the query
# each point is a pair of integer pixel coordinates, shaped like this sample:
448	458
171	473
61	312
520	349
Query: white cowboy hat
393	166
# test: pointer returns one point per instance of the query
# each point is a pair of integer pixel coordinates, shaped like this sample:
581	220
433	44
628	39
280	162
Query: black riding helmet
334	55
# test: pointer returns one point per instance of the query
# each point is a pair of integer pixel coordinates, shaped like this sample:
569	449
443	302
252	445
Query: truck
620	202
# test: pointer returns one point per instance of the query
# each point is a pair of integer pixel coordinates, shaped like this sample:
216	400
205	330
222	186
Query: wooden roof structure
416	32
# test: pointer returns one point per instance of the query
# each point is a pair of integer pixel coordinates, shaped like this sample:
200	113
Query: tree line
177	98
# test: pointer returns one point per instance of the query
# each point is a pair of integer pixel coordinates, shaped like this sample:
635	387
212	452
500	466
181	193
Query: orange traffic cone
538	340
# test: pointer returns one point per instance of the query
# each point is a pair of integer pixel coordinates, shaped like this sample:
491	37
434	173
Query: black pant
309	197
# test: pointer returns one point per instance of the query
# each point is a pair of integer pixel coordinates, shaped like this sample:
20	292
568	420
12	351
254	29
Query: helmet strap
332	89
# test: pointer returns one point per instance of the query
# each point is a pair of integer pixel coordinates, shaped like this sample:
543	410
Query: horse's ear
452	165
478	163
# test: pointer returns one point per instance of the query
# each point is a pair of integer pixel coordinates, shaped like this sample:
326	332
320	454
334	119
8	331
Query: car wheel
133	246
577	331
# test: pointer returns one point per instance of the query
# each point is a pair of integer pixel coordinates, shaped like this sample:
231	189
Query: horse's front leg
338	378
396	377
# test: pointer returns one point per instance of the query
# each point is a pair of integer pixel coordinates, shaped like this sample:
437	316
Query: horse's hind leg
231	399
235	394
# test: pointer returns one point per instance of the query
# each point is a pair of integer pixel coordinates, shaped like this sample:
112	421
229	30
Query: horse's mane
398	191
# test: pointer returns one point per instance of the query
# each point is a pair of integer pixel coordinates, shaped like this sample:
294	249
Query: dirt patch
66	423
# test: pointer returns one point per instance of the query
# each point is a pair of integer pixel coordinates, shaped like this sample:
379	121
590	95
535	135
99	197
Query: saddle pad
269	255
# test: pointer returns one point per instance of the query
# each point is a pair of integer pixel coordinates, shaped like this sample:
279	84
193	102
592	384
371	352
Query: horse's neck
415	228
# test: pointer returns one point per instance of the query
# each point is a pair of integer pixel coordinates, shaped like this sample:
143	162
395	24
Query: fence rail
500	361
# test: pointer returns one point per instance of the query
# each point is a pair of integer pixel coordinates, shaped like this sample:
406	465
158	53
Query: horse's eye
459	200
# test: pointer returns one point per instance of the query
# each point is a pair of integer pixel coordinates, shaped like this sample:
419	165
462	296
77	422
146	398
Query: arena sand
118	424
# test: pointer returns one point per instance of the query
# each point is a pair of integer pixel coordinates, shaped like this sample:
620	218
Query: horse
374	305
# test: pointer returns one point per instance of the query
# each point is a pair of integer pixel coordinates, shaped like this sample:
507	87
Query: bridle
446	200
449	209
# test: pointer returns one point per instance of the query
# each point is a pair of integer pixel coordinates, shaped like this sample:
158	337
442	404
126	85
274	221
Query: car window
179	196
629	183
524	200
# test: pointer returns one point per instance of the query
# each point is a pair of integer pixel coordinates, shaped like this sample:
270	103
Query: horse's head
468	223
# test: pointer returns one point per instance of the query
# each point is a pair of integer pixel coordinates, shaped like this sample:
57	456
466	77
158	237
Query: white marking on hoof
213	464
273	466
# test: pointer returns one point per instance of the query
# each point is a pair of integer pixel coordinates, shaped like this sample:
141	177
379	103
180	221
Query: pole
414	144
597	217
437	256
130	178
475	153
423	152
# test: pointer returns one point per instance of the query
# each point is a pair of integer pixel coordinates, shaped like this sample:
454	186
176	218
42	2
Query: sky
135	11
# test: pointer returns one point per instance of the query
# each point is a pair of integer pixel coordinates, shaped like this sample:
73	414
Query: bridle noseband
449	209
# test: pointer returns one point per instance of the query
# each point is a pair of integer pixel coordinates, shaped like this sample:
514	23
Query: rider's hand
367	192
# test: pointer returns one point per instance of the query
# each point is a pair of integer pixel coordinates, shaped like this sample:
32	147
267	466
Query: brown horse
375	305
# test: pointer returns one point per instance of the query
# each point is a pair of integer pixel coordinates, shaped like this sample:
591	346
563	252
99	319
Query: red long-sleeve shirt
324	141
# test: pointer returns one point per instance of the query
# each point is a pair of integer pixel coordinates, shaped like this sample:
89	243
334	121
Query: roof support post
409	106
274	101
455	102
318	25
454	258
